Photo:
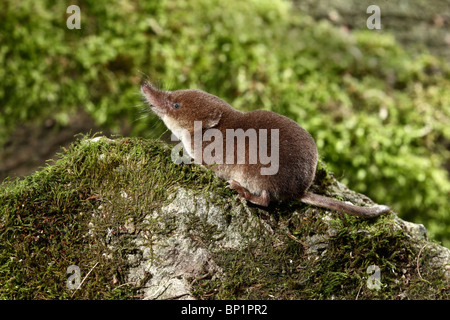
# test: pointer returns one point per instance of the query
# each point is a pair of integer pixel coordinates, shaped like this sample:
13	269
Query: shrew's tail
332	204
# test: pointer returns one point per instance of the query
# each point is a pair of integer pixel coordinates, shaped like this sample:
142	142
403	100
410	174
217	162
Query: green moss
378	113
88	207
323	178
333	266
338	270
51	219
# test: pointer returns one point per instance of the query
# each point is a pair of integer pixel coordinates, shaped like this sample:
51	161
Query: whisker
139	105
141	117
146	76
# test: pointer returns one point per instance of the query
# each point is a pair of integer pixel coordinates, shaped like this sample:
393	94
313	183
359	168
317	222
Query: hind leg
262	200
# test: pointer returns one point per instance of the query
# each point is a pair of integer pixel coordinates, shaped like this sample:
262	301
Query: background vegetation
380	114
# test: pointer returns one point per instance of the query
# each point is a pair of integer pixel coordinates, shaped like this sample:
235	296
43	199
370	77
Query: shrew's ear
214	119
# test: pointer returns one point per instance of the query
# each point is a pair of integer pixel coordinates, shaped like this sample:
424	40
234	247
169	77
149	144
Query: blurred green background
376	101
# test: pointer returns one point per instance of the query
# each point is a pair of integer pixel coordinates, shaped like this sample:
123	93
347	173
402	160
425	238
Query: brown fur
297	149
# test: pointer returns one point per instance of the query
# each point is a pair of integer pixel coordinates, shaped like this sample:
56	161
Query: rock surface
140	226
174	261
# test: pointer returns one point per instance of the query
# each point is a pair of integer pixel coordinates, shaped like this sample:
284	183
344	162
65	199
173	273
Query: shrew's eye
176	105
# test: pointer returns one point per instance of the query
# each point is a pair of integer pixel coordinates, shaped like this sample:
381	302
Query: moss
323	177
336	270
333	266
88	208
379	113
67	213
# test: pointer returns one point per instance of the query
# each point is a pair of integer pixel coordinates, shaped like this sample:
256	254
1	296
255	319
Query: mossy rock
139	226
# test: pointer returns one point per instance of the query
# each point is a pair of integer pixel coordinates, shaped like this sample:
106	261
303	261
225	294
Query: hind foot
262	200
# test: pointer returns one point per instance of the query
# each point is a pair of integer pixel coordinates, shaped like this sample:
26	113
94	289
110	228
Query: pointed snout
157	99
147	88
151	94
